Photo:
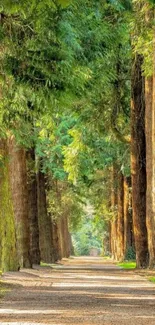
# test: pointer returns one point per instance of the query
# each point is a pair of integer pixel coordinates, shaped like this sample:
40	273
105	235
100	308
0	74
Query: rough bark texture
8	251
56	242
64	235
106	249
128	224
138	163
33	208
71	246
44	221
113	232
120	218
18	181
67	237
150	161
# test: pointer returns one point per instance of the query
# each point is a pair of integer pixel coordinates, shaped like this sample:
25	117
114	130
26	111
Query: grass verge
128	265
152	279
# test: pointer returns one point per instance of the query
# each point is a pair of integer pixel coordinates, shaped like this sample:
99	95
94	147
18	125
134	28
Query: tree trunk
18	181
33	208
128	224
67	237
56	242
8	251
64	237
71	246
61	236
120	218
106	246
150	162
113	232
44	220
138	163
150	149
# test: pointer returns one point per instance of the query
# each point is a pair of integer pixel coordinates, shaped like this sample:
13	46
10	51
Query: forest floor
78	291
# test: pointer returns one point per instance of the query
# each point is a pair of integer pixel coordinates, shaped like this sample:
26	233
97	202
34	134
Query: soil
84	291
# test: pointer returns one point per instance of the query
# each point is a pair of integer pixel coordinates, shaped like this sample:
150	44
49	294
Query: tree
8	251
138	163
19	192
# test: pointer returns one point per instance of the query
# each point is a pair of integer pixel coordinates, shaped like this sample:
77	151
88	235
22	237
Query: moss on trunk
19	190
8	252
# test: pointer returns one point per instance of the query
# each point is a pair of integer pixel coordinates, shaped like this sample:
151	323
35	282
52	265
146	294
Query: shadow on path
81	291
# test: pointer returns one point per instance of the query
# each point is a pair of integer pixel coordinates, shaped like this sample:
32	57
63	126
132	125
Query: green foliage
51	136
127	265
142	29
130	254
152	1
60	65
64	3
89	235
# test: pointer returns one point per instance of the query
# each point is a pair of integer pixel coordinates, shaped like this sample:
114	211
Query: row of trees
67	91
36	199
137	230
28	232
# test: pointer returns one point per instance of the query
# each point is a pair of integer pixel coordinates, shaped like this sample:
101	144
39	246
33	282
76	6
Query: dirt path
90	291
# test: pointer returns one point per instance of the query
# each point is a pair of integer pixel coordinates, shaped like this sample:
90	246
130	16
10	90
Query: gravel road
78	291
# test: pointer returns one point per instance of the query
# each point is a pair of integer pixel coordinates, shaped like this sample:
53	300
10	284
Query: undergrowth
128	265
152	279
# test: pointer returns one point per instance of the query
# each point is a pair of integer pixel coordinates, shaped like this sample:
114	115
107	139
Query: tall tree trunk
33	208
138	163
8	251
71	246
120	218
67	237
56	242
44	220
150	163
64	236
113	232
61	226
18	181
150	149
128	224
106	246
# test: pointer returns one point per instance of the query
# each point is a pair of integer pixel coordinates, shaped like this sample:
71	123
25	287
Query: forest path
80	291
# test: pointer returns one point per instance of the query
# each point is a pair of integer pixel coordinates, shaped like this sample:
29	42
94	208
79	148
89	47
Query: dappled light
104	292
77	162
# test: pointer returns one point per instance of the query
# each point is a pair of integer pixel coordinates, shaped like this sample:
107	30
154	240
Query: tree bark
128	224
150	148
120	218
65	237
71	246
56	242
8	251
18	181
113	232
33	208
138	163
150	162
44	221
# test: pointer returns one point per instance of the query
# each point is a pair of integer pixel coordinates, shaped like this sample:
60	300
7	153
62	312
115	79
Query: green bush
130	254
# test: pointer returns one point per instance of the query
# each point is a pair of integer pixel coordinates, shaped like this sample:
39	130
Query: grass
50	265
45	264
152	279
128	265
